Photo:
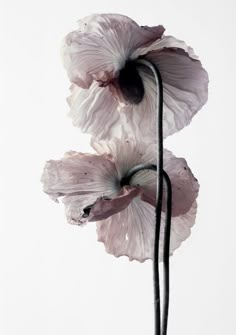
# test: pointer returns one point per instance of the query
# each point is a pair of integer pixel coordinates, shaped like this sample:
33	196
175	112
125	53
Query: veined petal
164	43
185	84
104	208
185	90
126	152
131	232
94	110
81	179
184	185
185	81
102	45
180	229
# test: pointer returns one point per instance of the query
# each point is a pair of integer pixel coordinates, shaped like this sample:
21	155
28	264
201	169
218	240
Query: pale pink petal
102	45
94	110
185	89
81	179
164	43
185	82
184	185
104	208
180	229
126	153
131	232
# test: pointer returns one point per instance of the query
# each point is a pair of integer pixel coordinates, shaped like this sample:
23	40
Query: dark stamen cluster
130	83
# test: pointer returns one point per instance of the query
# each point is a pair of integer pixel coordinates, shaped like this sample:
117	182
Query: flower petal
185	82
131	232
164	43
81	179
180	229
94	111
126	152
102	45
185	90
104	208
184	185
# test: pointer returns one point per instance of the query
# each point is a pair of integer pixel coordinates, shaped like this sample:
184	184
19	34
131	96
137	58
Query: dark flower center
130	82
87	210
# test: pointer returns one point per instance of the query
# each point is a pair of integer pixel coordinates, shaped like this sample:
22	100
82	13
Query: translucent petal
131	232
81	179
102	45
94	110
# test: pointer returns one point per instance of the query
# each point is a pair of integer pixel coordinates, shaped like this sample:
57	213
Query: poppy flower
111	89
94	188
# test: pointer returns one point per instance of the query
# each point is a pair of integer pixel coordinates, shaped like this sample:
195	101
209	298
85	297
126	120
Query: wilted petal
185	89
131	232
94	110
126	152
81	179
104	208
180	229
185	82
102	45
166	42
184	185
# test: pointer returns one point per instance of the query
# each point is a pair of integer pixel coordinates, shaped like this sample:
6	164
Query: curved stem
159	126
167	232
166	254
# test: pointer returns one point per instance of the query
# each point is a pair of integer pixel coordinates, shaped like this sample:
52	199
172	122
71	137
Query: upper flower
93	188
111	88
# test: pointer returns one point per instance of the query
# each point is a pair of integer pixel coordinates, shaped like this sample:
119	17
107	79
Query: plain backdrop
56	279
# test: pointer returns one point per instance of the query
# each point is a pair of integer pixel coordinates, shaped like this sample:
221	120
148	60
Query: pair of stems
161	327
126	181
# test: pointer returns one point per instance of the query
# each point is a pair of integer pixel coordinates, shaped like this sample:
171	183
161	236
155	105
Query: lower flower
94	187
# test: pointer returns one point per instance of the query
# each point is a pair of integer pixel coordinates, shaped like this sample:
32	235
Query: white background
56	279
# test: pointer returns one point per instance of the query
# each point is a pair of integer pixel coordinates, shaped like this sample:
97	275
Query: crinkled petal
131	232
104	208
164	43
81	179
102	45
184	185
185	84
180	229
126	153
185	81
94	111
185	90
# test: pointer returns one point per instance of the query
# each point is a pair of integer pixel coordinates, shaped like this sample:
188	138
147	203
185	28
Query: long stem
126	181
159	119
166	254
